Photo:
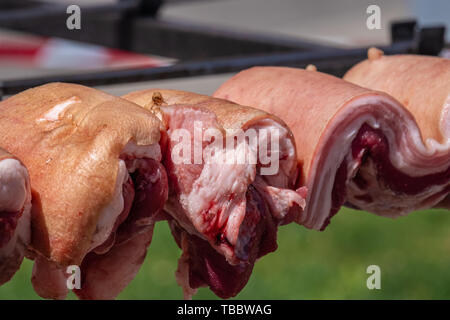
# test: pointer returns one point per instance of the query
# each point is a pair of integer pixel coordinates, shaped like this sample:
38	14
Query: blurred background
196	45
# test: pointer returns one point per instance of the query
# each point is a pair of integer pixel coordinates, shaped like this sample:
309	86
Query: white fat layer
111	212
284	151
13	185
54	113
279	200
108	216
408	153
445	118
132	150
274	188
220	189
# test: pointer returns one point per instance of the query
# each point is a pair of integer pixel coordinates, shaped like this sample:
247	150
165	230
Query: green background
413	253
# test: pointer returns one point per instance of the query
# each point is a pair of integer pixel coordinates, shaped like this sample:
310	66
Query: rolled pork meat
97	184
420	83
357	146
232	171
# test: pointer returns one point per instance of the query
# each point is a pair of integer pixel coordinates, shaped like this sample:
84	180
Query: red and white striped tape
55	53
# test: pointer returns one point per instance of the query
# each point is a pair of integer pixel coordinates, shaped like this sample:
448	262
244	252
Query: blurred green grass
413	253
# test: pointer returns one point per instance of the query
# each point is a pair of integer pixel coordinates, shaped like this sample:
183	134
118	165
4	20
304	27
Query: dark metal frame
128	24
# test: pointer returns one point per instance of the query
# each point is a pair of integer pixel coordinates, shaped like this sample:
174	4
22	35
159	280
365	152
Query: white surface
340	22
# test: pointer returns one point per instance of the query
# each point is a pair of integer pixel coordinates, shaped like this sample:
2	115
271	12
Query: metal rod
335	62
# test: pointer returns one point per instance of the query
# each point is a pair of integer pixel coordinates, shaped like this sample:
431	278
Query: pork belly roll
230	191
97	184
420	83
355	145
15	205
